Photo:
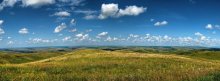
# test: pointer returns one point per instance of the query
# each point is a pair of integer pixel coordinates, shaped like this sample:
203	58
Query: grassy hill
16	58
101	65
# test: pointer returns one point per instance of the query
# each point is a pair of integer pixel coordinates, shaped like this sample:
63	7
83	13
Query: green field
112	64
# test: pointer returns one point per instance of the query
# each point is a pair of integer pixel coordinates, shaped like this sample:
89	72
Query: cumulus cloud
79	35
131	11
23	31
37	3
112	10
108	10
82	37
198	34
133	35
1	22
2	31
102	34
7	3
59	28
66	38
62	14
110	39
209	26
161	23
201	36
137	39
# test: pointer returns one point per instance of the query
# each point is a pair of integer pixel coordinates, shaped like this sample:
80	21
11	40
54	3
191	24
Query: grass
100	65
210	77
192	52
16	58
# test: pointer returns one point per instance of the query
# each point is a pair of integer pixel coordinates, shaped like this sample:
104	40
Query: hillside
95	65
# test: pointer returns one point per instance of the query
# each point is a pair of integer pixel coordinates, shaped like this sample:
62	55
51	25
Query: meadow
112	64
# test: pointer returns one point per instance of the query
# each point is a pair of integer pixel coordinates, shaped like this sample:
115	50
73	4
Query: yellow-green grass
99	65
16	58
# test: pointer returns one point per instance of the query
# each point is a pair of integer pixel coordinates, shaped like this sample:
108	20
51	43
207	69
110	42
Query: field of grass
119	65
16	58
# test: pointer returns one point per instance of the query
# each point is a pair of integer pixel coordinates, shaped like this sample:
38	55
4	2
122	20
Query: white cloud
161	23
134	36
89	30
9	37
1	22
40	40
59	28
209	26
110	39
73	30
7	3
103	34
81	36
37	3
131	11
186	39
66	38
201	36
198	34
2	31
108	10
72	2
23	31
62	14
73	22
10	42
112	10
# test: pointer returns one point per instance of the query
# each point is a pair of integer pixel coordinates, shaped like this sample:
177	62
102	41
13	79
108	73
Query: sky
38	23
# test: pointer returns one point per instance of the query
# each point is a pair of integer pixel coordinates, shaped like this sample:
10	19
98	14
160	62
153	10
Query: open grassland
100	65
16	58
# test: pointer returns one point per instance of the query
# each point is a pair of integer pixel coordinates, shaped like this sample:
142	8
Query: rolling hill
102	65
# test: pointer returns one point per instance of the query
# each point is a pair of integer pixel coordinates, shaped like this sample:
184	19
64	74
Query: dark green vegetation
111	63
195	52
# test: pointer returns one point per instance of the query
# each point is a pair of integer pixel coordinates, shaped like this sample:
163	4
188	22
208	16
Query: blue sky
32	23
